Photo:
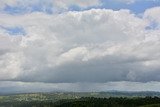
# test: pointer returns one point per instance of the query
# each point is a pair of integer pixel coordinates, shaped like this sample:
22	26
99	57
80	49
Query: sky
79	45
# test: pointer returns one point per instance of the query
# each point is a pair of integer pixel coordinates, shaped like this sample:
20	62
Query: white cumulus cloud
97	45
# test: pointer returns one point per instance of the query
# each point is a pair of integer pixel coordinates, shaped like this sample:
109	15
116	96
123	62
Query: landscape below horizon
82	99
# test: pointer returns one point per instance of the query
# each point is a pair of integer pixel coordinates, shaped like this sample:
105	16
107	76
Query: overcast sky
79	45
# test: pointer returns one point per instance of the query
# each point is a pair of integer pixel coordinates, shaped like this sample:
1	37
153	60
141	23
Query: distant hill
73	95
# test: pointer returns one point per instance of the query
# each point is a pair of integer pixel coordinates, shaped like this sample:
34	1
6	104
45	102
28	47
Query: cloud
80	3
47	6
152	16
128	2
23	87
95	46
8	57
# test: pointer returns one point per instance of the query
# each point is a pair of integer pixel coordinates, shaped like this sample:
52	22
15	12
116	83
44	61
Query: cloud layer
97	45
21	87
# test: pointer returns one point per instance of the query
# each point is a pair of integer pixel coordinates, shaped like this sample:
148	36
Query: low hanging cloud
30	87
97	45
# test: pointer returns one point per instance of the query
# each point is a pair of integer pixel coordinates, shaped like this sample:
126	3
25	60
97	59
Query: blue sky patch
137	7
13	31
74	8
152	26
14	10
